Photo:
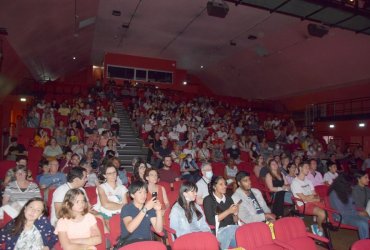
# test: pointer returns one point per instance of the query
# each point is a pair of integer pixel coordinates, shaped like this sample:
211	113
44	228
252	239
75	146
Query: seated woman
186	216
260	163
292	173
279	187
155	190
139	215
53	150
189	169
111	195
41	138
341	200
72	138
47	121
139	171
221	212
18	192
77	228
31	229
110	146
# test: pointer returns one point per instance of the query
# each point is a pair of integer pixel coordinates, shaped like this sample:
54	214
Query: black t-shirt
211	208
17	149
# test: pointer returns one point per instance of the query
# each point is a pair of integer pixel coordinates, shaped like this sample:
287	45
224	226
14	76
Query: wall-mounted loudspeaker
317	30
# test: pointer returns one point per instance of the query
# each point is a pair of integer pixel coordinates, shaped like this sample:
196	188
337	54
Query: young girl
111	195
151	176
31	229
221	212
76	228
186	216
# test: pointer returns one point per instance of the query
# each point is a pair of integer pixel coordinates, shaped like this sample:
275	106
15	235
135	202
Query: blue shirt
143	230
55	180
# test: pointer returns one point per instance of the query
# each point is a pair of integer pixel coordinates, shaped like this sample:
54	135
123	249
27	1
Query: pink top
75	230
316	180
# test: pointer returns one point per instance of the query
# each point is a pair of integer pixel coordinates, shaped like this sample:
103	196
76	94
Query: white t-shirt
329	177
58	196
113	195
301	187
202	185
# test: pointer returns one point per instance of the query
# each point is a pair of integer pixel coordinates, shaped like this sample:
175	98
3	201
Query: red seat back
289	228
115	228
322	191
361	245
5	166
196	241
153	245
253	235
91	195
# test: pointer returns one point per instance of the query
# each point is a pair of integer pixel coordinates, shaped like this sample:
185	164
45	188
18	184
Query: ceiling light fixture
22	99
201	66
74	58
185	82
361	124
331	126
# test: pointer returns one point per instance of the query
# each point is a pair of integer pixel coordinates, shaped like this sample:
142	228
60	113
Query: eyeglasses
111	173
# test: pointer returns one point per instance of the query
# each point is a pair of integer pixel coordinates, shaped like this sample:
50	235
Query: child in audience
77	228
331	174
31	229
138	216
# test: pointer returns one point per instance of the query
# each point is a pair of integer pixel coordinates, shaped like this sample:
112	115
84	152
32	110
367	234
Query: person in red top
166	174
155	190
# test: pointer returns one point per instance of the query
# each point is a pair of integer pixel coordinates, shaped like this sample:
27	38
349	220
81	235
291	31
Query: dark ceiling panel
299	8
331	16
356	23
367	31
269	4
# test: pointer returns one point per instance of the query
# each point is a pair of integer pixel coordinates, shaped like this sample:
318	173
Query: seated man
253	207
314	176
14	149
202	184
166	174
303	189
53	179
361	192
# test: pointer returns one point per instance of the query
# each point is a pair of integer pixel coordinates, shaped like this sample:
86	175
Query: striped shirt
17	195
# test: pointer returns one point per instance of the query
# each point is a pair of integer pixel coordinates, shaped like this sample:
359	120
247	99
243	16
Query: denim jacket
43	225
180	224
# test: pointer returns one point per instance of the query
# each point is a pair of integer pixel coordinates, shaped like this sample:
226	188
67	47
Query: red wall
194	86
356	90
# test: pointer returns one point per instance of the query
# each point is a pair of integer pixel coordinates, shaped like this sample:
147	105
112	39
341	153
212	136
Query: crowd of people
227	158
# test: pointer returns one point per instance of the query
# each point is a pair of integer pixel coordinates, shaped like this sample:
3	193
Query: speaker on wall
317	30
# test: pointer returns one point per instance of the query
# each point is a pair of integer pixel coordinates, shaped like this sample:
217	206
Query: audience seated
186	216
14	149
52	179
331	174
31	229
252	206
76	178
138	216
155	190
303	189
314	176
221	212
189	169
18	192
342	201
77	228
361	191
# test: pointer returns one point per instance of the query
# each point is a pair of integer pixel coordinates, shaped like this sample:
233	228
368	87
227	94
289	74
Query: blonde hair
68	202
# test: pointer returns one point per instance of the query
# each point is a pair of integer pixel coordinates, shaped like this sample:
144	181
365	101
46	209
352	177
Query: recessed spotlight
156	87
201	66
74	58
23	99
361	124
185	82
331	126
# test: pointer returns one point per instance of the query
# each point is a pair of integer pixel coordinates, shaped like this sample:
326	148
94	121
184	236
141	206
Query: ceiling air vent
116	13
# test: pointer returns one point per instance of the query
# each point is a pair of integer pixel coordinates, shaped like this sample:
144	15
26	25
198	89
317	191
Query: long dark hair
186	187
211	190
20	220
136	175
342	188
